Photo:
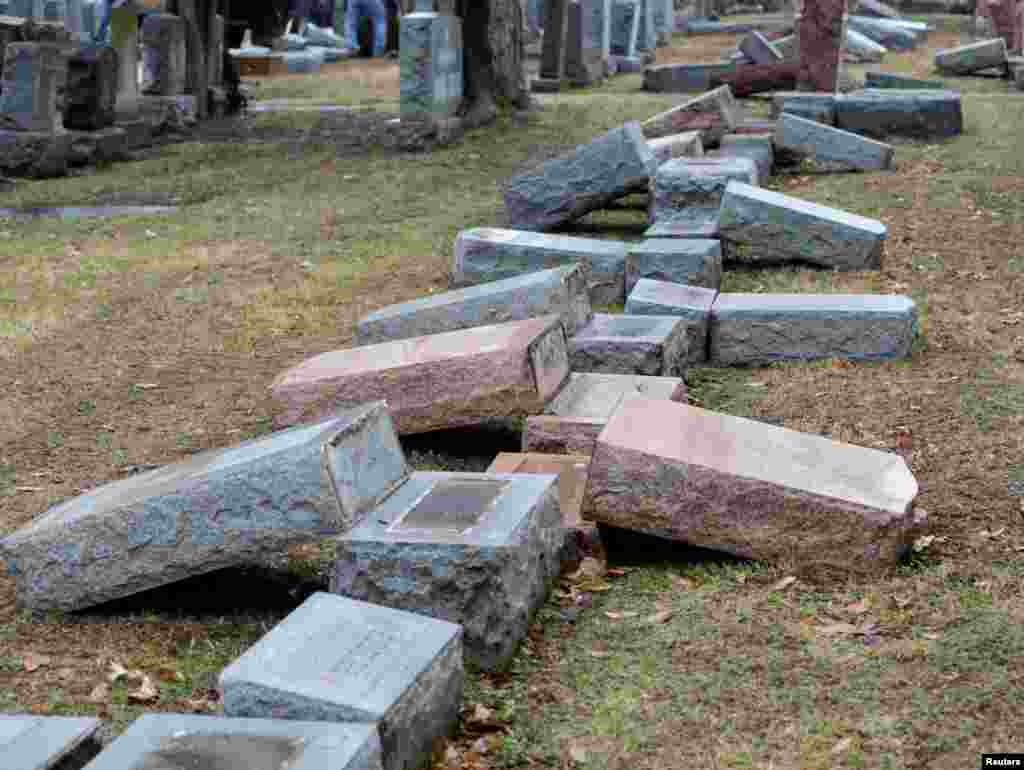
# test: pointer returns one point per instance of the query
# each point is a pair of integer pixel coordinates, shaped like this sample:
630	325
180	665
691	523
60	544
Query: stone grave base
34	154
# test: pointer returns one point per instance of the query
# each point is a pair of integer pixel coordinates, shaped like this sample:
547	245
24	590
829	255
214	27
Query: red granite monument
822	31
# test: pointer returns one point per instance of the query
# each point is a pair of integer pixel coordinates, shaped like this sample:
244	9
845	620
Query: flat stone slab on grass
690	303
588	178
692	261
484	254
832	144
180	742
765	227
581	537
806	104
480	550
684	78
40	743
966	59
335	659
894	36
757	148
571	423
714	114
759	329
220	508
759	49
619	344
685	186
918	114
685	145
438	381
890	80
561	291
806	503
699	223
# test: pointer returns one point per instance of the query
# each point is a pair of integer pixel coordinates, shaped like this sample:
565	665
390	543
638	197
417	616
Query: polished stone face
454	505
223	752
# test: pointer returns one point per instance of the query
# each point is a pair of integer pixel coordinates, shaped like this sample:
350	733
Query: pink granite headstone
821	44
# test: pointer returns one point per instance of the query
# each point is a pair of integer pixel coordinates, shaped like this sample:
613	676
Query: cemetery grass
136	342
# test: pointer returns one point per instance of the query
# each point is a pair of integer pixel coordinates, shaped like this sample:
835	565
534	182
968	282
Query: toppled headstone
572	422
479	550
164	55
619	344
691	261
439	381
431	65
690	303
749	79
713	114
340	660
684	78
581	537
698	223
890	80
966	59
39	743
759	329
875	8
625	27
588	178
832	144
685	145
757	148
821	38
759	49
812	106
91	91
218	509
812	505
173	741
487	254
926	114
561	291
894	37
767	227
863	48
685	186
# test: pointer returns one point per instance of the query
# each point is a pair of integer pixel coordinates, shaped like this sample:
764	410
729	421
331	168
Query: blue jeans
103	33
357	9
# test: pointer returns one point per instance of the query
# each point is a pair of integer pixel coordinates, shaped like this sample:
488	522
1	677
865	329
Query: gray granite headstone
39	743
164	54
966	59
692	261
621	344
431	65
91	93
691	303
480	550
33	74
336	659
832	144
584	64
217	509
187	742
556	29
685	186
920	114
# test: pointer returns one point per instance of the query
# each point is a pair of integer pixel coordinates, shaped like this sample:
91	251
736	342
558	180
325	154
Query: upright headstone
216	60
431	64
124	35
33	74
552	61
164	58
91	93
583	62
822	32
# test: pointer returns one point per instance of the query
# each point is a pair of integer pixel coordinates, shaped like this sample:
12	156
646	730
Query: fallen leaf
65	673
659	617
842	746
200	705
589	568
169	674
901	601
837	629
783	584
482	745
483	718
116	671
594	586
100	693
923	542
40	708
33	662
146	385
616	572
858	608
621	615
682	582
600	654
146	691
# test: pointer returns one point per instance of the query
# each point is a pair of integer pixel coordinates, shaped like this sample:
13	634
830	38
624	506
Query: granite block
759	329
479	550
430	65
874	8
832	144
696	223
766	227
966	59
893	36
690	303
489	254
821	37
438	381
713	114
863	48
218	509
684	78
33	76
812	106
925	114
180	742
689	186
588	178
572	422
757	148
335	659
812	506
691	261
41	743
91	92
561	291
750	79
890	80
685	145
618	344
36	154
164	55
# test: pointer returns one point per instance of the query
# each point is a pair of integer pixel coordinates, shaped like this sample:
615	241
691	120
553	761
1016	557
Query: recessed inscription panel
223	752
452	505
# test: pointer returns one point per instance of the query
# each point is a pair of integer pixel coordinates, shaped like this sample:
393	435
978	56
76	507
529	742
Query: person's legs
352	25
375	9
103	33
